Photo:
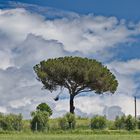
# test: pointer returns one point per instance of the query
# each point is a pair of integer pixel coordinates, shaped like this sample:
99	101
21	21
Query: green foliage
71	120
11	122
76	74
63	123
98	122
110	125
120	122
123	122
138	124
44	107
67	121
39	121
130	123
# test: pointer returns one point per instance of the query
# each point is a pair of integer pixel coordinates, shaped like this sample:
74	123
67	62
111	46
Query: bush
67	121
63	123
120	122
98	122
11	122
110	125
71	120
44	107
138	124
39	121
128	123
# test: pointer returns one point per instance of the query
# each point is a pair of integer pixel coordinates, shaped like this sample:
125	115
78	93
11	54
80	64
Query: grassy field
67	137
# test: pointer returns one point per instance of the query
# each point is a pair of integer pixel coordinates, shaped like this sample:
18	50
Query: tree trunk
72	104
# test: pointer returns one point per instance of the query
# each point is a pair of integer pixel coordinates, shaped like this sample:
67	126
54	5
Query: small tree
39	121
71	120
98	122
11	122
138	123
130	123
18	123
67	121
120	122
77	75
44	107
62	122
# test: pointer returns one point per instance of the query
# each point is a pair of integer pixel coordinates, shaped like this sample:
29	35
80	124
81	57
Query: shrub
63	123
120	122
130	123
110	125
11	122
138	124
98	122
71	120
44	107
39	121
67	121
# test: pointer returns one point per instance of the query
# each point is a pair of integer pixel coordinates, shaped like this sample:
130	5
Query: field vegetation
76	128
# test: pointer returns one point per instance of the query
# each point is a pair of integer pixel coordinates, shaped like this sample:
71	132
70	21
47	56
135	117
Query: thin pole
36	127
135	100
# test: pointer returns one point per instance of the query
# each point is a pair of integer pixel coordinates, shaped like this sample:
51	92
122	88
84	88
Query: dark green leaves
75	73
44	107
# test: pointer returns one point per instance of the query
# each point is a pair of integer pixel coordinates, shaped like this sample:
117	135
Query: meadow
68	137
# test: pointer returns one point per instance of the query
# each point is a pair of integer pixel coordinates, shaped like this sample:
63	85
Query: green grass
67	137
80	124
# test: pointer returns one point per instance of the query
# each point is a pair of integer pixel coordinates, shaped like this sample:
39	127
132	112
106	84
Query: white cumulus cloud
26	38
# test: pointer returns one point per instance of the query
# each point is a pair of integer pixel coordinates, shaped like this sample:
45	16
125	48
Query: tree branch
85	91
68	86
81	88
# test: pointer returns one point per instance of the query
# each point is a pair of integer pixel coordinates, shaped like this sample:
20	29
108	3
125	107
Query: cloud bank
28	37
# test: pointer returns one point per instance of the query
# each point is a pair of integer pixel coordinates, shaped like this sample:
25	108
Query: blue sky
128	9
31	31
